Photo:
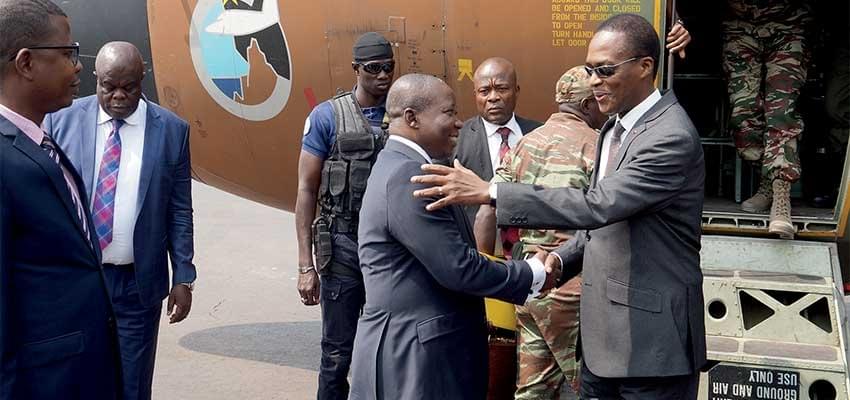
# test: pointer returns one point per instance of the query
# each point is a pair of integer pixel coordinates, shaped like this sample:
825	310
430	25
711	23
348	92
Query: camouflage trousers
766	68
546	349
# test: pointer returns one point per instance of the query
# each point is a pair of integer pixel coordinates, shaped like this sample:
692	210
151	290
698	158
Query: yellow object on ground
500	313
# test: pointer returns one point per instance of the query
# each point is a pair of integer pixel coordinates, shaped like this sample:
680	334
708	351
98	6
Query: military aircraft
245	74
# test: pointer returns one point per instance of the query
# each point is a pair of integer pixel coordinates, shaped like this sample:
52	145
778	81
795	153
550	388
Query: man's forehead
605	47
492	79
383	60
121	72
61	32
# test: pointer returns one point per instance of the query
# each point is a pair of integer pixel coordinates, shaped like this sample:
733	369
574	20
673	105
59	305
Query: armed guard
342	137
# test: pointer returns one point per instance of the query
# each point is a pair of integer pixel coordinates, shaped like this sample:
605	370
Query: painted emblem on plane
241	56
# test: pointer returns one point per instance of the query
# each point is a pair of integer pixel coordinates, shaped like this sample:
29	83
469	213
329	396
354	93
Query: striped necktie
49	146
505	132
103	208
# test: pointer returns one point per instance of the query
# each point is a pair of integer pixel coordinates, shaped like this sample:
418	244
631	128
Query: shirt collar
134	119
29	128
490	128
631	118
413	145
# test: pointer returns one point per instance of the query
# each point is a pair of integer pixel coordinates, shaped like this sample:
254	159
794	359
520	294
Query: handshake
552	265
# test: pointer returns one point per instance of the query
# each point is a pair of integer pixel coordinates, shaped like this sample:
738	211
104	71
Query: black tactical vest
348	165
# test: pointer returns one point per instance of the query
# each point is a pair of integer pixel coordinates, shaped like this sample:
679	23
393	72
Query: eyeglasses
606	71
376	67
74	57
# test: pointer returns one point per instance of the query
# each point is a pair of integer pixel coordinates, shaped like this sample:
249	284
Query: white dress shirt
494	140
538	271
413	145
628	121
132	134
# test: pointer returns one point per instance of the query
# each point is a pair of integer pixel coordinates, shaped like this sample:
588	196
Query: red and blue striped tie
107	181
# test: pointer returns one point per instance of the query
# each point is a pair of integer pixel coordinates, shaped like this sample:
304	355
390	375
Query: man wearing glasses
57	330
638	239
342	138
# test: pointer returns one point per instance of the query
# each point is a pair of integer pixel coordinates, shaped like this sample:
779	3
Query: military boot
780	212
760	202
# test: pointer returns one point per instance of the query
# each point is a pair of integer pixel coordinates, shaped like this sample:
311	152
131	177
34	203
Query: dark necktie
505	132
614	148
107	182
509	236
50	147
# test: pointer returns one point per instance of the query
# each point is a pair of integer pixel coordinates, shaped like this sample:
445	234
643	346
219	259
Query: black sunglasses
74	57
606	71
376	67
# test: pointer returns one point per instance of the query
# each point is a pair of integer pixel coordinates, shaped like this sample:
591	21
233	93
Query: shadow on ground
291	344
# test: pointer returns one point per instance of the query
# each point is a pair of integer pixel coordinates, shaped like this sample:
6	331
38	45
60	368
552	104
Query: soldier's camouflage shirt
560	153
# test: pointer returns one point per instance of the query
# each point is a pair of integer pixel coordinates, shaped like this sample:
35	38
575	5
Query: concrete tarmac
248	336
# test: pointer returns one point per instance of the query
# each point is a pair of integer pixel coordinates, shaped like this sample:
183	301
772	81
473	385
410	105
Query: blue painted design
228	86
224	65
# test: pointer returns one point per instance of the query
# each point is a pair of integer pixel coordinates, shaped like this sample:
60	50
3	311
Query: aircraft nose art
241	57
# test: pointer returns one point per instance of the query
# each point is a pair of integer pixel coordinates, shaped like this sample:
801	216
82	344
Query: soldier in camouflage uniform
764	57
558	154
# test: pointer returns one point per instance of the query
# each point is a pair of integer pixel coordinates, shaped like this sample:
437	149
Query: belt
130	265
339	269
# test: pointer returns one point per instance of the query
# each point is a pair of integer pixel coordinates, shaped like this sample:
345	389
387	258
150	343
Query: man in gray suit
486	137
642	307
423	332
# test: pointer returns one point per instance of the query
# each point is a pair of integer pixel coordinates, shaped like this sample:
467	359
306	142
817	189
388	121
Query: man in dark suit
487	137
133	156
642	331
423	333
57	331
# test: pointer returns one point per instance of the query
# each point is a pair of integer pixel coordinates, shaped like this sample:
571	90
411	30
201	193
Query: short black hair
411	91
641	39
24	23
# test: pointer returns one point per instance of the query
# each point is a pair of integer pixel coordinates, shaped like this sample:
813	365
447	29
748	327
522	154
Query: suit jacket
641	302
57	329
473	151
164	222
423	332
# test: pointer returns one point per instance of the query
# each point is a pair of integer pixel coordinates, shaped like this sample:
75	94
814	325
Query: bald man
424	280
133	157
486	137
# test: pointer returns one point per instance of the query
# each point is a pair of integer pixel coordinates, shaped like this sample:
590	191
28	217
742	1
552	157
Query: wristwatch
190	285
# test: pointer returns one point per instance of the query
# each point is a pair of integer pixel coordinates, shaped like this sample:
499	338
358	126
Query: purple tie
614	149
107	181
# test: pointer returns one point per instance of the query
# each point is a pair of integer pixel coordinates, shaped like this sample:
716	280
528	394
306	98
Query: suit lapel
480	142
93	239
150	154
667	100
89	146
25	145
602	132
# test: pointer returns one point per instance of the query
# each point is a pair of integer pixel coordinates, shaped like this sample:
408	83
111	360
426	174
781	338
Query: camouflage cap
573	87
